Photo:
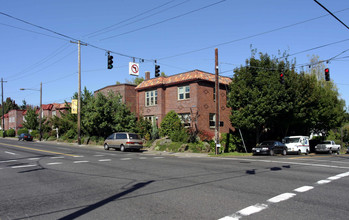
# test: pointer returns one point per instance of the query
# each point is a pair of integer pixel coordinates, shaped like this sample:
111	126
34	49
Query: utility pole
2	106
40	117
217	101
79	90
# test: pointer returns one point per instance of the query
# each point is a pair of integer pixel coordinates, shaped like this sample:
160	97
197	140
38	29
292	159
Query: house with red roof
14	119
191	95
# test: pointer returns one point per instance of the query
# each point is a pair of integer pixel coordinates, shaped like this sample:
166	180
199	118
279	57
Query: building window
151	98
212	120
185	119
183	92
54	113
151	118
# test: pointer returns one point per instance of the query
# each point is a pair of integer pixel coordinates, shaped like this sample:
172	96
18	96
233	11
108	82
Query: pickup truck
327	146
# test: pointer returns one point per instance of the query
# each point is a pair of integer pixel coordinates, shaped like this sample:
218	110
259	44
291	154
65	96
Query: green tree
263	106
170	124
106	114
144	126
31	119
9	105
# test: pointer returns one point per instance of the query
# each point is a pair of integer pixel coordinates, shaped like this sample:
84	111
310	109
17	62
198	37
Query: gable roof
47	107
182	77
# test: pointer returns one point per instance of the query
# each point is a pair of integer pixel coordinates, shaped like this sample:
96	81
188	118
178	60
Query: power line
331	14
163	21
247	37
23	29
71	38
128	19
43	28
142	18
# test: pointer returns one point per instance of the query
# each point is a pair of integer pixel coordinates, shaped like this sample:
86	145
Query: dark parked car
123	141
270	148
25	137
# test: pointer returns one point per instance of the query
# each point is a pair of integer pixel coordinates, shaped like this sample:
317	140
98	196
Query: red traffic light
327	74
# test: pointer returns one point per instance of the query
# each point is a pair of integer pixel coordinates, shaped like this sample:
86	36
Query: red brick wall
127	92
200	104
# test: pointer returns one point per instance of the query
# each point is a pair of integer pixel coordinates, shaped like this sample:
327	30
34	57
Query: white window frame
212	118
183	92
185	119
151	118
151	98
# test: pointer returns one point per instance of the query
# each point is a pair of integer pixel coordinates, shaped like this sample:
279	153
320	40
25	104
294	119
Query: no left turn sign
133	68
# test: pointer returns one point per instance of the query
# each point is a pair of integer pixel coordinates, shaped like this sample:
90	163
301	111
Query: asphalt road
41	180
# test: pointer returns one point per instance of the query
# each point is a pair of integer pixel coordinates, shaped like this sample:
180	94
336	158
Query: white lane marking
343	174
105	160
334	177
78	156
127	158
8	152
98	155
8	161
81	161
281	197
57	157
142	158
303	189
34	158
158	157
55	163
285	162
252	209
323	181
232	217
23	166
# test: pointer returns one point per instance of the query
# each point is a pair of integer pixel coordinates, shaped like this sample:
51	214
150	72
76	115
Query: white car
297	144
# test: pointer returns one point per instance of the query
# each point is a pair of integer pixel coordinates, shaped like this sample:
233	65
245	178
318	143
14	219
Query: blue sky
180	34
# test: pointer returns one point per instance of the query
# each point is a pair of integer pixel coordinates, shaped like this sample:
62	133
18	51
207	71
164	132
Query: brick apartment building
191	95
14	119
127	91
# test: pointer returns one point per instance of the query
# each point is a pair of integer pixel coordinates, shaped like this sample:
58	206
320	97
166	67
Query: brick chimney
147	75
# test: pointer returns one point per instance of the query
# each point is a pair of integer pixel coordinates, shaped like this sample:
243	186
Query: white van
297	144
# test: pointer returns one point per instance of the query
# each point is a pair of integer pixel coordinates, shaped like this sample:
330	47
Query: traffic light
110	61
327	74
282	78
157	70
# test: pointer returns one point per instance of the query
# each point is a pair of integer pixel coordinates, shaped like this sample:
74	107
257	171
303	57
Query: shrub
179	136
70	134
228	142
11	133
170	123
22	130
206	135
35	133
155	133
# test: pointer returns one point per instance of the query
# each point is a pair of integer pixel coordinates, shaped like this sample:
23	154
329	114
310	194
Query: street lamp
40	112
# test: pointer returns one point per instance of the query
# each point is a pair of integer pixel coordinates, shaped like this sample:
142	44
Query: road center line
303	189
23	166
8	161
252	209
55	163
34	149
81	161
281	197
10	153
